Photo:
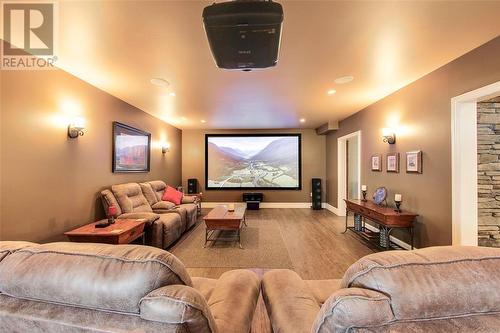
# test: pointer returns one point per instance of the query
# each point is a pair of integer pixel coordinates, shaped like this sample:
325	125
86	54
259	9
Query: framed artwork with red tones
131	149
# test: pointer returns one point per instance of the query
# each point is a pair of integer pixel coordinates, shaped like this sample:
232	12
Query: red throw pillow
172	195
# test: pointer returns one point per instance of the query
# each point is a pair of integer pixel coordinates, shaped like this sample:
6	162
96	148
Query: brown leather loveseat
78	287
436	289
166	222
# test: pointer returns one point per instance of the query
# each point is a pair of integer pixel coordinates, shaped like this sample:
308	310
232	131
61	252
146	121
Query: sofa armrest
353	307
189	199
233	300
149	217
290	304
178	304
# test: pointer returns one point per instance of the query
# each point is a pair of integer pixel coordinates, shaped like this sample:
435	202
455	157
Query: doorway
464	163
349	169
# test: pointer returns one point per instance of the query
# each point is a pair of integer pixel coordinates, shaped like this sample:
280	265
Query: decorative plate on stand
380	195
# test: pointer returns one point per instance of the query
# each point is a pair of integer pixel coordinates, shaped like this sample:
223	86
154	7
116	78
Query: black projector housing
244	34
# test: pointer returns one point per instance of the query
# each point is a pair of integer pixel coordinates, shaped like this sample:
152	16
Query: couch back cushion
108	199
130	198
9	247
353	307
432	282
148	192
158	187
97	276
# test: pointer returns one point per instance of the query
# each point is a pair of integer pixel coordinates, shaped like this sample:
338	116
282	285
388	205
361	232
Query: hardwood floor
313	239
315	244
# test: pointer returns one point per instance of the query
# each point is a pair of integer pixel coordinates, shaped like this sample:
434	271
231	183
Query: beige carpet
262	243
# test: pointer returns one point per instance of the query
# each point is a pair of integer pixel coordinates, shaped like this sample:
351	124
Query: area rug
263	247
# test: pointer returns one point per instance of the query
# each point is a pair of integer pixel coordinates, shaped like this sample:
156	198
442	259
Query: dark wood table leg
346	216
411	236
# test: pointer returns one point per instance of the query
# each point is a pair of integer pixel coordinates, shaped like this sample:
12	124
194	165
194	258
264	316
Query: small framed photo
376	162
414	161
393	162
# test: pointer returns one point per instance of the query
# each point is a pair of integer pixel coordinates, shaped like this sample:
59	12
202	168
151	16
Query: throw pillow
172	195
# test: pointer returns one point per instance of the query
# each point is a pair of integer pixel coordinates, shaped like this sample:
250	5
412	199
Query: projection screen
253	161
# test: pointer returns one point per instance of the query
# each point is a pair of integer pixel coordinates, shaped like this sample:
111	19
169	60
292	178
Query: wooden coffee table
220	219
121	232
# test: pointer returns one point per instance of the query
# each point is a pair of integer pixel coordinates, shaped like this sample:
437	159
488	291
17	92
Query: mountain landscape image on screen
271	161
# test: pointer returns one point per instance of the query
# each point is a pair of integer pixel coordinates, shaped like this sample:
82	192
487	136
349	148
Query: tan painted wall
49	183
422	110
313	165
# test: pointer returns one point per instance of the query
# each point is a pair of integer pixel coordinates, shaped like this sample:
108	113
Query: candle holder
398	205
364	195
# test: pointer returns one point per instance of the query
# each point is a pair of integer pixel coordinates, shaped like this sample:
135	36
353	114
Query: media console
253	200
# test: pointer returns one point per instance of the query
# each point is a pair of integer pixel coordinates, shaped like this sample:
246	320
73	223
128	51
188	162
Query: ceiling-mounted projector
244	34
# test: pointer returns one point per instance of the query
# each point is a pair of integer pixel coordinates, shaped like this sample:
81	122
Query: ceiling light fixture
172	94
203	121
159	82
302	120
344	79
331	91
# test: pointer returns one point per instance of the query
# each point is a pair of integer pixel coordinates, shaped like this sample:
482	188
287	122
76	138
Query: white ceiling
119	46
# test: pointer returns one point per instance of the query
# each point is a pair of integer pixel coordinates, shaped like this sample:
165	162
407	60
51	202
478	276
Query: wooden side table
123	231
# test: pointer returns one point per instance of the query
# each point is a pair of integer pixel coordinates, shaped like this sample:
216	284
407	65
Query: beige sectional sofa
437	289
78	287
165	221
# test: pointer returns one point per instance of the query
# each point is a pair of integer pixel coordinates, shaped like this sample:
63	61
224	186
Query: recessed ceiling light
203	121
344	79
302	120
159	82
331	91
183	118
172	94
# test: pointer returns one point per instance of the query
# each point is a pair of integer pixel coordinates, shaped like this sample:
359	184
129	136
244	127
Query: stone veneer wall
488	148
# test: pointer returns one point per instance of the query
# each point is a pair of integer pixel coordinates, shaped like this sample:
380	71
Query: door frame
464	163
342	169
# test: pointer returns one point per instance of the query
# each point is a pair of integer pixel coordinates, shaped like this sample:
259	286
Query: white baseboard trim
397	241
330	208
262	204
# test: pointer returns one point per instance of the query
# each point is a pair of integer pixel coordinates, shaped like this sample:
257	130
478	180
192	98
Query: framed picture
376	162
414	161
131	149
393	162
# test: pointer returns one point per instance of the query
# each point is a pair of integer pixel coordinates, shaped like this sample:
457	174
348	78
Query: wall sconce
165	147
76	128
388	136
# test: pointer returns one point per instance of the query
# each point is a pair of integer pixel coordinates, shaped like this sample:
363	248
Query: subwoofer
192	186
316	193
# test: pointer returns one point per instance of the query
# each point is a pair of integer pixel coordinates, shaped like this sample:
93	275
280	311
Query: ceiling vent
244	34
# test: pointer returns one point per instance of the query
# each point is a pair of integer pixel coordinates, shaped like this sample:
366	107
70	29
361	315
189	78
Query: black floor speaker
192	186
316	193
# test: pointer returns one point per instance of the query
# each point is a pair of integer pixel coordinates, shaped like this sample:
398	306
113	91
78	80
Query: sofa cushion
172	195
177	304
353	307
108	199
149	217
97	276
130	198
446	280
187	199
163	205
323	289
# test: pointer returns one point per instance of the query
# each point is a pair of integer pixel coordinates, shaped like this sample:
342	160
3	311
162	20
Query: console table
386	218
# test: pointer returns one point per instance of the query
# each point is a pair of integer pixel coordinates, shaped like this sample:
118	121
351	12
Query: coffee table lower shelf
210	237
